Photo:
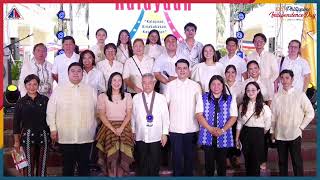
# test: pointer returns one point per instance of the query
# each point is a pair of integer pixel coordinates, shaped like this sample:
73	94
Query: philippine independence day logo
14	14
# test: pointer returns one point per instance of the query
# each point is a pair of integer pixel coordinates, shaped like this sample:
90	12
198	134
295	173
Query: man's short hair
190	24
74	64
287	71
30	77
182	61
39	45
260	35
109	45
170	35
296	41
235	40
68	38
149	75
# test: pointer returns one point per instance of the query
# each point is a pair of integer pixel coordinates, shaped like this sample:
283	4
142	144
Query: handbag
270	143
240	144
156	86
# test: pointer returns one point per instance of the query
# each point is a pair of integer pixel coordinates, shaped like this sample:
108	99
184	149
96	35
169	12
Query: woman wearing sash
253	122
124	46
266	86
215	135
114	138
136	66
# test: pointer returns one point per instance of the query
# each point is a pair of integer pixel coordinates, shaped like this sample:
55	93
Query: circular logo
61	15
149	117
239	35
241	16
60	34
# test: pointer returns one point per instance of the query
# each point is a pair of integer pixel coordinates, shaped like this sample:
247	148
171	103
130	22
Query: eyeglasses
258	41
251	90
293	47
190	30
110	51
124	35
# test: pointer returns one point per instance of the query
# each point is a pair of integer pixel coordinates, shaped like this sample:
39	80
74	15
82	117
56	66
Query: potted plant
15	71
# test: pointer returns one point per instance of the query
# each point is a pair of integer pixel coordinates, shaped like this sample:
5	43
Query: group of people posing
108	99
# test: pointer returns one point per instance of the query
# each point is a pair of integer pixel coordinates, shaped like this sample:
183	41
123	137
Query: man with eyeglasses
299	66
191	48
109	65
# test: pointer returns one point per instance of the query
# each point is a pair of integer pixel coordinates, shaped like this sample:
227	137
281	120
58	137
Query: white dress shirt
154	51
185	100
42	71
95	79
166	65
106	69
160	118
122	54
131	70
238	62
268	64
300	68
202	73
71	111
60	66
263	121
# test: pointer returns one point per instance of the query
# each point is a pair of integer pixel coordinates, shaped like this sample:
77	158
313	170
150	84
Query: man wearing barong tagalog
150	125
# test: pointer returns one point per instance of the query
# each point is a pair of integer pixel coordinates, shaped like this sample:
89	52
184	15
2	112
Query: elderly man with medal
150	126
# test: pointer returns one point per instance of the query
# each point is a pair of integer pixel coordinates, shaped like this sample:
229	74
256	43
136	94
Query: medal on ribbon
149	116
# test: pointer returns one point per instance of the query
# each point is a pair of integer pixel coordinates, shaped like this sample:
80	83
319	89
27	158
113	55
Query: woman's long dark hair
224	92
154	31
109	90
230	66
128	43
259	101
215	58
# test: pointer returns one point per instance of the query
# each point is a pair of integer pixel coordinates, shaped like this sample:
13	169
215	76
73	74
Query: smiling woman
30	128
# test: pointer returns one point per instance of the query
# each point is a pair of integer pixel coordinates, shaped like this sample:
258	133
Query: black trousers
93	156
252	139
215	156
294	147
266	147
75	153
148	156
233	151
183	153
